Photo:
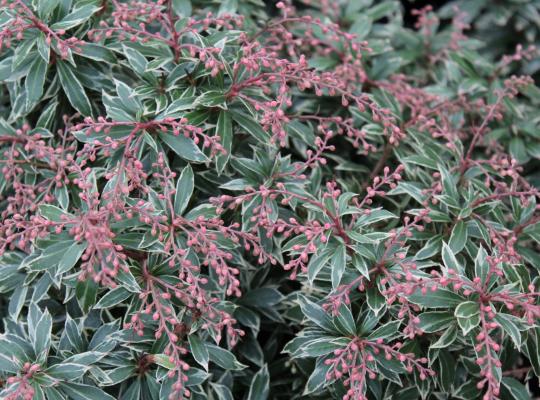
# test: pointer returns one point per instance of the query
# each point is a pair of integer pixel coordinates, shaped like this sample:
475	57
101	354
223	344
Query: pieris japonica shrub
239	200
501	25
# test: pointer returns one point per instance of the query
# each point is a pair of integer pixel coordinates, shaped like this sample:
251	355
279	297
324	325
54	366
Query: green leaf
35	80
70	257
381	9
73	336
16	302
261	297
441	298
251	126
481	266
236	184
361	265
337	264
447	369
96	52
49	258
518	150
8	365
317	262
458	239
79	391
388	331
86	292
76	17
319	346
361	27
375	299
174	110
432	247
184	147
184	190
468	316
222	392
199	351
163	360
225	133
129	102
67	371
260	385
42	340
73	89
449	259
317	379
62	195
509	324
373	217
113	297
450	187
23	56
228	7
224	358
467	391
44	49
47	115
447	338
212	98
433	321
135	59
52	394
182	8
344	321
316	314
530	348
516	389
45	7
53	213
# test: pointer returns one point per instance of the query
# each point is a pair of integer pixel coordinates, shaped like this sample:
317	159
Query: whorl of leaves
202	200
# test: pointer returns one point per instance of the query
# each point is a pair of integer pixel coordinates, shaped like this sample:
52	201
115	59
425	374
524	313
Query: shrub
202	201
501	25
